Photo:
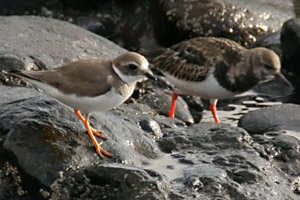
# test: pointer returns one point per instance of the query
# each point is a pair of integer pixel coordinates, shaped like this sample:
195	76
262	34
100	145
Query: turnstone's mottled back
215	68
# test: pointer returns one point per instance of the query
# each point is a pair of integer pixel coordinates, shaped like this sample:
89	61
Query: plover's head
132	67
266	64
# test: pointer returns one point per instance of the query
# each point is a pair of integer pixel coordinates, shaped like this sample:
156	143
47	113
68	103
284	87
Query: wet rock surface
237	20
36	40
163	22
277	137
45	152
96	182
222	162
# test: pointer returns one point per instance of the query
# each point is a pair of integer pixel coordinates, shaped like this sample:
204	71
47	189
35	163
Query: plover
214	68
91	85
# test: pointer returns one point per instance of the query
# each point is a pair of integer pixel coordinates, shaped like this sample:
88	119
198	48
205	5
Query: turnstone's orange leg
213	108
97	145
95	132
173	105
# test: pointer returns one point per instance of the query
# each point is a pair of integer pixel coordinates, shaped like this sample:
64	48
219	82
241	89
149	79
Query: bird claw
101	152
98	134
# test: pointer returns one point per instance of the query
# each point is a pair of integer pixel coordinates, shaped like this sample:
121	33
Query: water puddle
292	133
233	115
168	166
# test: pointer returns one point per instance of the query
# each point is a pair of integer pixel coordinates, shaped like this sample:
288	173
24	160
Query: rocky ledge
45	152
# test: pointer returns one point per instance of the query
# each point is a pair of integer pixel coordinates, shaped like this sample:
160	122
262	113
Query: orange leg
213	108
173	105
95	132
97	145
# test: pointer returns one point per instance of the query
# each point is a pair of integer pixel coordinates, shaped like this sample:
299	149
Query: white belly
88	105
206	89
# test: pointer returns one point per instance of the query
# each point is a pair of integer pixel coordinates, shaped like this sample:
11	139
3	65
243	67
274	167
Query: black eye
133	67
268	66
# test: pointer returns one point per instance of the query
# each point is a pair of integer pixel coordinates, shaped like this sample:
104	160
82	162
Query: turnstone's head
132	67
266	63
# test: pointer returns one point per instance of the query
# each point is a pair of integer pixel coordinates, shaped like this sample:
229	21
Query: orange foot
100	151
95	132
213	108
173	105
98	133
97	145
92	133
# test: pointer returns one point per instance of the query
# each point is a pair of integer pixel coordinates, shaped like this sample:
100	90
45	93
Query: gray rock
9	7
42	43
52	137
111	181
277	129
274	118
45	152
221	162
160	101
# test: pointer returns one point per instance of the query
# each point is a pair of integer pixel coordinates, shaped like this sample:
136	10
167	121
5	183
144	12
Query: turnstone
91	85
214	68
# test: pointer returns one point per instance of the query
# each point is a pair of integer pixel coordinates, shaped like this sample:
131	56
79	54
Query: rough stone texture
45	152
43	135
223	162
41	43
111	181
163	22
276	132
275	118
241	21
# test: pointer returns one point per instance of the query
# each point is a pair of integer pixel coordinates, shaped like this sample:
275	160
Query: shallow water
168	166
232	116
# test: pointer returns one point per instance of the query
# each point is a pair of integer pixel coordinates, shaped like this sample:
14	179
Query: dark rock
96	25
162	23
238	20
151	126
275	118
9	7
280	134
36	123
112	181
119	22
83	5
290	44
42	43
224	164
160	101
49	155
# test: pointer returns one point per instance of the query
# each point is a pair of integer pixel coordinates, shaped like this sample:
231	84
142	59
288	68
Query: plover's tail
19	74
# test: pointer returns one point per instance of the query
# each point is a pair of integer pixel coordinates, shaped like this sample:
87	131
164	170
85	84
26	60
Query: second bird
215	68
